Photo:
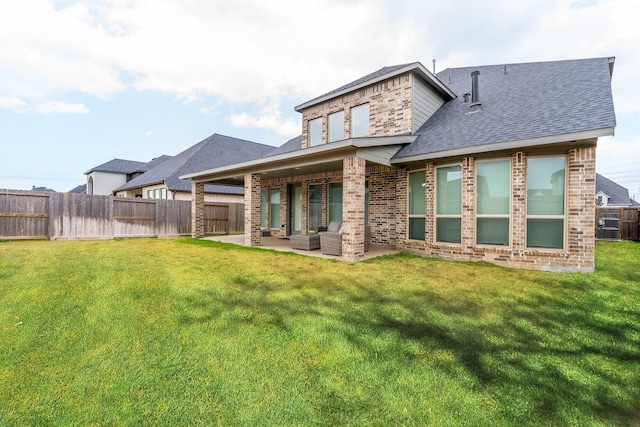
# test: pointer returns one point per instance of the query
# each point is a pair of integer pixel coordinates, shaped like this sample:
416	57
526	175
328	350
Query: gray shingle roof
214	151
519	102
618	195
117	166
289	146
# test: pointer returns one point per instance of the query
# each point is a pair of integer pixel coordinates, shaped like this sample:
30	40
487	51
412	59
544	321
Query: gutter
509	145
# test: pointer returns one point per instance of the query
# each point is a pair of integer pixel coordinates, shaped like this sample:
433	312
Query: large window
336	126
275	208
335	201
449	204
493	189
315	206
263	207
416	205
360	120
315	132
545	202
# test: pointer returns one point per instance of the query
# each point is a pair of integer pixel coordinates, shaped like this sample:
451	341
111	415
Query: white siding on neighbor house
104	183
211	197
425	102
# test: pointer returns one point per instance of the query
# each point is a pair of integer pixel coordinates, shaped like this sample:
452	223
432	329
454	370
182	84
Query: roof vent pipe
475	89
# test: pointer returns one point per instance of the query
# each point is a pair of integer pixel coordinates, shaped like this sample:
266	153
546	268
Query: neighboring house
162	181
80	189
103	179
489	163
612	194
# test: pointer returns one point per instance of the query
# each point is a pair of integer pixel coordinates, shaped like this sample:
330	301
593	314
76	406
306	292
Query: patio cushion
334	227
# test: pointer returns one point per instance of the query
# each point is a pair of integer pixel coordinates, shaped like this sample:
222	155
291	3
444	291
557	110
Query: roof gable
384	73
117	166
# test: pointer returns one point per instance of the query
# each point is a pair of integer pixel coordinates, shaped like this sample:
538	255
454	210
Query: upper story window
360	120
315	132
336	126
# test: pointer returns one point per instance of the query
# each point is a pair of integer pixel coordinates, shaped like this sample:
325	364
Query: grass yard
185	332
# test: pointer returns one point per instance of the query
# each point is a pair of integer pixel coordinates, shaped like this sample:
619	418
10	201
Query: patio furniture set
327	239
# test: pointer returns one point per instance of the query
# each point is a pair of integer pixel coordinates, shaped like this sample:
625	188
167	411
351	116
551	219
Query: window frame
309	225
352	127
534	217
335	126
329	218
273	211
311	140
507	216
410	215
436	215
264	210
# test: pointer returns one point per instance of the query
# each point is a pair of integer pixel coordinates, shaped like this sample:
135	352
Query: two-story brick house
489	163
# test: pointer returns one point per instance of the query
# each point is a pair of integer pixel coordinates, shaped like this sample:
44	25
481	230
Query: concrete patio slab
284	245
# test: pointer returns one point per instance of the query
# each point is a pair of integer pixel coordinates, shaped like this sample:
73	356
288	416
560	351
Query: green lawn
184	332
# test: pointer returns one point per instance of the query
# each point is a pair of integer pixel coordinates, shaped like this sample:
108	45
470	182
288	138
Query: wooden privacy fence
618	223
83	216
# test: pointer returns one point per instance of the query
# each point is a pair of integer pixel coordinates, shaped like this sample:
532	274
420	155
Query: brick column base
197	210
354	171
252	235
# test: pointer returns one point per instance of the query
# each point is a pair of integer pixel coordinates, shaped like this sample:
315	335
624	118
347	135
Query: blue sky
84	82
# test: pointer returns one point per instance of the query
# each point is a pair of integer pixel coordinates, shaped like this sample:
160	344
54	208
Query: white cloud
270	118
48	107
13	103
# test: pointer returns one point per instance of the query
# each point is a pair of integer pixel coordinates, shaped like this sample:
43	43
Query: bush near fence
83	216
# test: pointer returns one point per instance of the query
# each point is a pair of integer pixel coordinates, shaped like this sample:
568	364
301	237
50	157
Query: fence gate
629	220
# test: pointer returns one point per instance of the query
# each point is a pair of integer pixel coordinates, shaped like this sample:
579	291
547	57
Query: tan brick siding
390	111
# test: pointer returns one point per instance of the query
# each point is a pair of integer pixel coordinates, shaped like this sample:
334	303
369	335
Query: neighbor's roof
618	195
519	102
214	151
117	166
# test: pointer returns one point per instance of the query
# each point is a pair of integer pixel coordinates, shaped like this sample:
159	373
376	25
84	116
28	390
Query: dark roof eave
508	145
324	152
413	67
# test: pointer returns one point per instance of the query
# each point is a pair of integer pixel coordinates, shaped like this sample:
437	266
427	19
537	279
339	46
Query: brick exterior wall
578	252
252	235
197	209
389	109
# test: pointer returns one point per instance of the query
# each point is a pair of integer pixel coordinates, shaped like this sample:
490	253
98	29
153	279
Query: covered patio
284	245
350	182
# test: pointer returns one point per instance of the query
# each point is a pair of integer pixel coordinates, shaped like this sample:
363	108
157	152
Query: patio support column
354	171
252	235
197	209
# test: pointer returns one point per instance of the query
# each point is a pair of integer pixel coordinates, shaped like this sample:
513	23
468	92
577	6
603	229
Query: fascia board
325	152
509	145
